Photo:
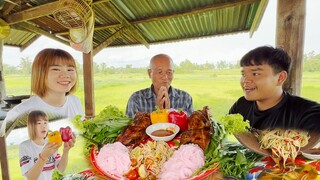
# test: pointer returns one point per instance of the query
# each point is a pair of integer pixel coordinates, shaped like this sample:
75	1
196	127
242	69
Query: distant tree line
311	63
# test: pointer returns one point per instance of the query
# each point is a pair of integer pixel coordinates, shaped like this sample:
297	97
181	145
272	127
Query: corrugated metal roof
134	22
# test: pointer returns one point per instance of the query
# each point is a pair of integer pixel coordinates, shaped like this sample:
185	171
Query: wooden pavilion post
290	35
88	85
4	159
2	83
3	147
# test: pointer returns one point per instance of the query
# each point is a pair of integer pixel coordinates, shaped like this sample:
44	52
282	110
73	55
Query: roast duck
135	132
199	129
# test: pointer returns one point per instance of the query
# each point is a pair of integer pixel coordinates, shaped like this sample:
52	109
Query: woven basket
73	13
83	43
78	35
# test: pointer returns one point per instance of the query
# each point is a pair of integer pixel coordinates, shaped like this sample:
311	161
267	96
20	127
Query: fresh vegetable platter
107	126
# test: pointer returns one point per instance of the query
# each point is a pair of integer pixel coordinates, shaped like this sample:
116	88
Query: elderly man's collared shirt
145	101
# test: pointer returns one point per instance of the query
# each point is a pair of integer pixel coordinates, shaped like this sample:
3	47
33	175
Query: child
38	159
54	79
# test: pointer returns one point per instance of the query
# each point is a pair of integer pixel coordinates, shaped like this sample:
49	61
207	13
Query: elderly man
160	93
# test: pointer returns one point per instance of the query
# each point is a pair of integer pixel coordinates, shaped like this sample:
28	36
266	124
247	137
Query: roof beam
133	30
7	8
32	13
23	47
36	30
173	40
100	1
108	41
96	28
35	12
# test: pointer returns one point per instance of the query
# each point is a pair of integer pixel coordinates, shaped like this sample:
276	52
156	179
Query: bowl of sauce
162	131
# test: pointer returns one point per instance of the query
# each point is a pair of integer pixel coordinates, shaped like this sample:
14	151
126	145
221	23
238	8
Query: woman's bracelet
43	159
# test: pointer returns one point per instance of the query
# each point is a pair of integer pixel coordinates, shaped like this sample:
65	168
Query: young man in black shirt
265	104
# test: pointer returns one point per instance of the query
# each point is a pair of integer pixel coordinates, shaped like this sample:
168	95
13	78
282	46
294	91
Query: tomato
132	174
174	144
171	144
66	133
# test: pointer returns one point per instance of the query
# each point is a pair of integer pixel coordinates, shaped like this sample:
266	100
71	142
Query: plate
312	154
94	152
250	141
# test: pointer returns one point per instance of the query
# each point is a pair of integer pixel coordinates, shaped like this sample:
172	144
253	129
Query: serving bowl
162	131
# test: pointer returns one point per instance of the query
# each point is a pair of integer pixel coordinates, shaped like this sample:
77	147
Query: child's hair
33	117
41	64
277	58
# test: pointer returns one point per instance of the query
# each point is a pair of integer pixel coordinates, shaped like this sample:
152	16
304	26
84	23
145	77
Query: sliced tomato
132	174
171	143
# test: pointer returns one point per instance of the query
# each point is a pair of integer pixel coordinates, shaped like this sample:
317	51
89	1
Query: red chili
256	169
270	166
296	138
299	161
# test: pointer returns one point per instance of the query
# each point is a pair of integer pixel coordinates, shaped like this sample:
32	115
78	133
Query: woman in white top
54	79
38	158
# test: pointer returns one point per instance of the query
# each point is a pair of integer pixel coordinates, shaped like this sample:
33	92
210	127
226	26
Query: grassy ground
218	89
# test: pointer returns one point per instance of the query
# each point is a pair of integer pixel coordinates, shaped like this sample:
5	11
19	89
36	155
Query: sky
229	48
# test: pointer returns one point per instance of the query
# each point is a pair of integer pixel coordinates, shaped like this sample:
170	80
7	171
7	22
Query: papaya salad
148	158
284	144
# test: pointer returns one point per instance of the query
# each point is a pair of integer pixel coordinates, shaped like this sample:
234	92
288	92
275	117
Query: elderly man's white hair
160	55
